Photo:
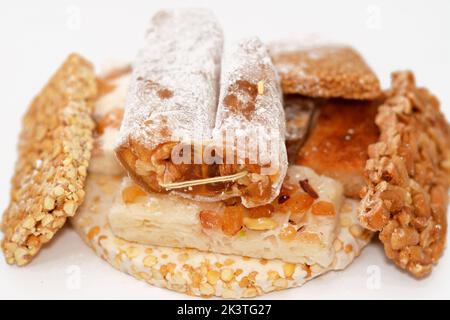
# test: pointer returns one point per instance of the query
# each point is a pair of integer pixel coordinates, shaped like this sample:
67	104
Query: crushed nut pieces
54	149
407	196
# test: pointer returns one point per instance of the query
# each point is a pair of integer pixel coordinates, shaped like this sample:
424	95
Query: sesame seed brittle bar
408	177
53	153
329	71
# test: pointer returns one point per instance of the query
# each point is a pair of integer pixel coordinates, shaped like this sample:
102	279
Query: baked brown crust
337	144
300	114
326	72
53	153
408	177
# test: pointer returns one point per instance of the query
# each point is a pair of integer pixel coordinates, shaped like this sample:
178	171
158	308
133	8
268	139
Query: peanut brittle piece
325	72
408	175
53	154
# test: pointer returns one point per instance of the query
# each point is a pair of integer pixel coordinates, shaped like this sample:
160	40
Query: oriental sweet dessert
173	94
53	155
231	172
173	109
329	71
299	226
202	273
250	107
408	177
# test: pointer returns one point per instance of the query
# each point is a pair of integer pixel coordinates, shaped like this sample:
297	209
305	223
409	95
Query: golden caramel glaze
337	145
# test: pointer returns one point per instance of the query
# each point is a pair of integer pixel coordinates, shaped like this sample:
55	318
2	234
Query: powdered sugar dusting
247	67
174	85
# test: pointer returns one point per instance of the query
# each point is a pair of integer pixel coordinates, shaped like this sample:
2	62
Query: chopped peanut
260	224
299	202
261	211
323	208
210	219
288	233
233	219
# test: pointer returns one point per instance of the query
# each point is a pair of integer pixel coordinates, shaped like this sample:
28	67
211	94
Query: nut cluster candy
409	176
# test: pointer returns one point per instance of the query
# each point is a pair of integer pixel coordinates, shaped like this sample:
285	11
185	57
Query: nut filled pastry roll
173	93
250	124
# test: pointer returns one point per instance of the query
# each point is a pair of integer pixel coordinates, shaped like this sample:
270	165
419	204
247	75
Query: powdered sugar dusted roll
173	94
250	121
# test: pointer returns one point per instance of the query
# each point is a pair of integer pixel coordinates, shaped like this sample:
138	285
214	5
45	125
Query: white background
36	36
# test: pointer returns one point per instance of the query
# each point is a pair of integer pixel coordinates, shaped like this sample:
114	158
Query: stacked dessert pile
231	172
